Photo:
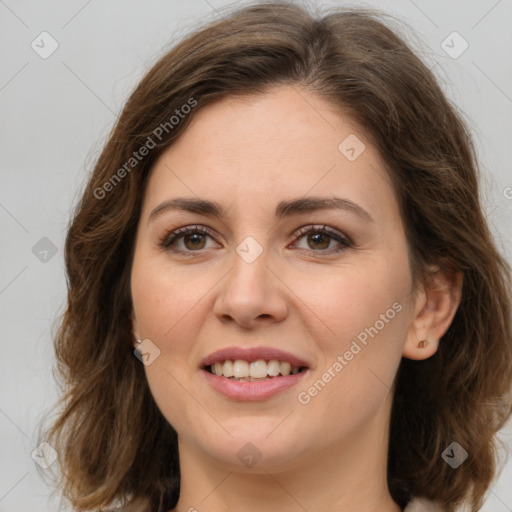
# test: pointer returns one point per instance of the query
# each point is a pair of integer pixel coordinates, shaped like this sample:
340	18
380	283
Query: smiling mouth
240	370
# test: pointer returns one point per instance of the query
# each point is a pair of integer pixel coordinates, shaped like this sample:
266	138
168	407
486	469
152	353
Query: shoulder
423	505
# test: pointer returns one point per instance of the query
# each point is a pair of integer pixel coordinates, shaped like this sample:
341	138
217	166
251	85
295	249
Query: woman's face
264	285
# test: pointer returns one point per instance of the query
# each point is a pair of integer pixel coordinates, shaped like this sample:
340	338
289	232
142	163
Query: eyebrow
283	209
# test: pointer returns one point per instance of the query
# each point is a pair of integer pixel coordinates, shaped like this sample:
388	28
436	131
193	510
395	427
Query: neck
348	476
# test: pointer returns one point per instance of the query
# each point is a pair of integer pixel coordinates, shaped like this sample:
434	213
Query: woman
284	228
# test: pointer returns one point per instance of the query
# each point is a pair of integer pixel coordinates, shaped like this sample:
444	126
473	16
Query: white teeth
217	368
285	368
273	368
241	368
256	370
227	369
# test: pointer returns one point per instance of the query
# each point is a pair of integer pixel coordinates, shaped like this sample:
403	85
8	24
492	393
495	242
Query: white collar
423	505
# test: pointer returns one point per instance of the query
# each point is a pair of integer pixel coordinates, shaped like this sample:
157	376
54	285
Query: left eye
319	239
322	236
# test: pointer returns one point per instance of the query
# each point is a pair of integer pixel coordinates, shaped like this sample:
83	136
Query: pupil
196	239
318	241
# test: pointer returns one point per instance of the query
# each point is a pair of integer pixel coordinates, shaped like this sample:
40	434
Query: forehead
286	142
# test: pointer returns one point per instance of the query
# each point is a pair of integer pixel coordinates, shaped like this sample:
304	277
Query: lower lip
252	390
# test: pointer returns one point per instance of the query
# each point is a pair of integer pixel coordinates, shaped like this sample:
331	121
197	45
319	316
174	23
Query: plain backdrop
56	111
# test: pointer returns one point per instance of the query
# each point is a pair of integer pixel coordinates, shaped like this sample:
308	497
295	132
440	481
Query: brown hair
112	439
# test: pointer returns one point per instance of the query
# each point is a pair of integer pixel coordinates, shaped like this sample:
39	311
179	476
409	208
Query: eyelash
175	235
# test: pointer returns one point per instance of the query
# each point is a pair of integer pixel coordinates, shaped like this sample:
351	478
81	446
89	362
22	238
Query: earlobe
423	349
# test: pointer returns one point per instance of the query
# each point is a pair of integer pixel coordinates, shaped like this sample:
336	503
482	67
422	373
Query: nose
251	294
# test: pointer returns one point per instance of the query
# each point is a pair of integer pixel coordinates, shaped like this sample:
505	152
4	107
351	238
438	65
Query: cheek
365	315
165	305
163	297
359	300
359	362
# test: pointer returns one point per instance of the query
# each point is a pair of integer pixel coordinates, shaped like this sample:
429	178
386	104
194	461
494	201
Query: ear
436	305
135	330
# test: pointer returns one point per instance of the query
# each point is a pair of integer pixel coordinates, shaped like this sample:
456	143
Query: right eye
192	237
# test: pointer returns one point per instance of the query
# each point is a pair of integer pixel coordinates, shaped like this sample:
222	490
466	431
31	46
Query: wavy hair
112	440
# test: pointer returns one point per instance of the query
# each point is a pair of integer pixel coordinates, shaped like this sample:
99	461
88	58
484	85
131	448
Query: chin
256	446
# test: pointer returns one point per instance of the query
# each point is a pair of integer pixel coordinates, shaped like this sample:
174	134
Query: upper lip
251	354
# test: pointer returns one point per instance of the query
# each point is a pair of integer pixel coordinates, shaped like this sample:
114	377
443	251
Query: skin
249	154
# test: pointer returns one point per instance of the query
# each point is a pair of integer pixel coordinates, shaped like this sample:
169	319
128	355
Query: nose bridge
249	268
250	289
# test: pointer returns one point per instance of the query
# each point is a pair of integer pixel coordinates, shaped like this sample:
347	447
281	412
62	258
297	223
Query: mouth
256	373
250	371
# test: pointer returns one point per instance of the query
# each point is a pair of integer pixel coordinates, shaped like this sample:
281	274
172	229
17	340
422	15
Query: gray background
56	113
